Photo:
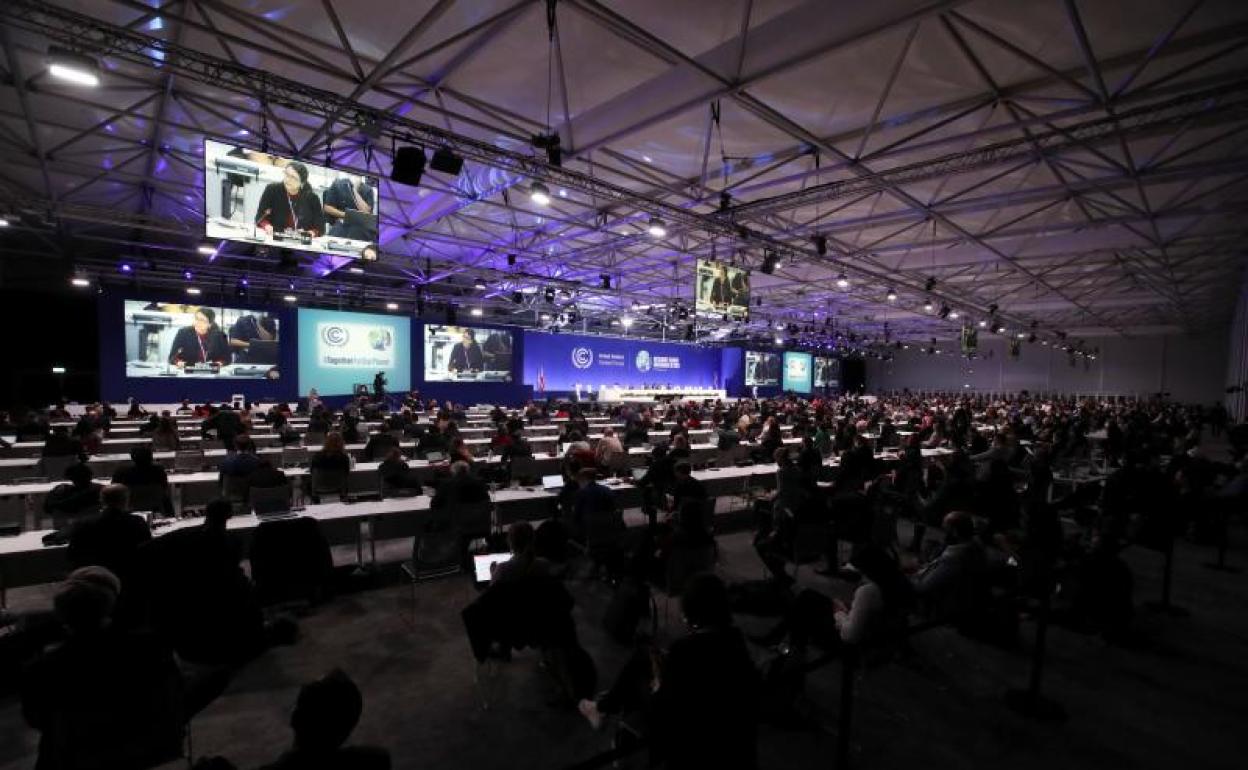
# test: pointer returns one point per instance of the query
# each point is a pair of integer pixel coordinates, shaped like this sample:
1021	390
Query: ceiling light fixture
656	228
207	251
194	292
290	298
842	282
539	194
80	281
392	306
478	312
891	296
626	321
71	67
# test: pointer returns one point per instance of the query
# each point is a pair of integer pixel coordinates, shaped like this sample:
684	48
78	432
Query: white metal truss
1064	165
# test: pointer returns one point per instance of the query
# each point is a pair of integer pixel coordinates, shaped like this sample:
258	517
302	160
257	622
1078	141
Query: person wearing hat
291	204
106	697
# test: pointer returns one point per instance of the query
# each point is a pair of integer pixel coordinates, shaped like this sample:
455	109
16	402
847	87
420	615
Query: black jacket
303	212
706	707
187	347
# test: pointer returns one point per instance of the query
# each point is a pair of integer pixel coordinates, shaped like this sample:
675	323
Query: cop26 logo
334	336
582	358
643	361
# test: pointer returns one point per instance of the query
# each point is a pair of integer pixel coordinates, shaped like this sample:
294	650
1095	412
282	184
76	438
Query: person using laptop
253	339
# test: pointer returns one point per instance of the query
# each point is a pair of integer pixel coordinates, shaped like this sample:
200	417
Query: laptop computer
551	483
482	563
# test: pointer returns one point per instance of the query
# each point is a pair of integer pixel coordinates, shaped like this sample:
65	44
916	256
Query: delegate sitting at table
202	342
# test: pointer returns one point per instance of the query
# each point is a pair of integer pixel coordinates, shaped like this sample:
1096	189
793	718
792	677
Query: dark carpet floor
1178	698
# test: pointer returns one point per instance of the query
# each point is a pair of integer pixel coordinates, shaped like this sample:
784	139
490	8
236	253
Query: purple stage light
188	275
125	267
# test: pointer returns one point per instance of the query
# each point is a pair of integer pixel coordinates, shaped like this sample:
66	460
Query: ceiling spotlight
928	306
953	315
656	228
545	316
479	283
408	166
891	296
779	340
539	194
194	292
550	294
290	298
944	310
1022	335
931	284
392	306
821	245
4	221
606	280
993	308
446	161
478	312
58	370
842	282
125	267
207	251
71	67
626	321
770	262
80	281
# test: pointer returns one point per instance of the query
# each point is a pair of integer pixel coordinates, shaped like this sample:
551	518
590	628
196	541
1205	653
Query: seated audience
700	701
106	697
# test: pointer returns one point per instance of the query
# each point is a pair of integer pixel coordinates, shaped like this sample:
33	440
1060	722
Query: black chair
290	561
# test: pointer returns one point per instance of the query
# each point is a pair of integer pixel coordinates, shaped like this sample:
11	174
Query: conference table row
23	501
25	560
103	464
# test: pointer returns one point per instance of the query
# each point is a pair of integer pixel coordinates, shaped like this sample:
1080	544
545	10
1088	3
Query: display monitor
721	289
173	339
340	351
761	368
827	372
465	353
797	372
258	198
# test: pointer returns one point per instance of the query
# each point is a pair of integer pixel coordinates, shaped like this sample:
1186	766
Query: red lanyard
293	215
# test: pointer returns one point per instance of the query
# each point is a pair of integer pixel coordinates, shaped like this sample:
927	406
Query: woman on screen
202	342
466	355
291	204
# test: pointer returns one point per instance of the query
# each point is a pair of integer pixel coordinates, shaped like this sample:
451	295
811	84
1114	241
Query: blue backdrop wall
568	359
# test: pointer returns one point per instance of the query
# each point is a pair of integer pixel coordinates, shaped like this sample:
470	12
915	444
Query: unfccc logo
334	336
582	358
643	361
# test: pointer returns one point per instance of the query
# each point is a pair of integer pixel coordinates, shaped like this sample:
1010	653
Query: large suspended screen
454	353
827	372
172	339
761	368
797	375
721	289
254	197
340	351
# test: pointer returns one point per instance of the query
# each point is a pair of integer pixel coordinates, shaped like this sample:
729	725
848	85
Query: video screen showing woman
256	197
167	339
